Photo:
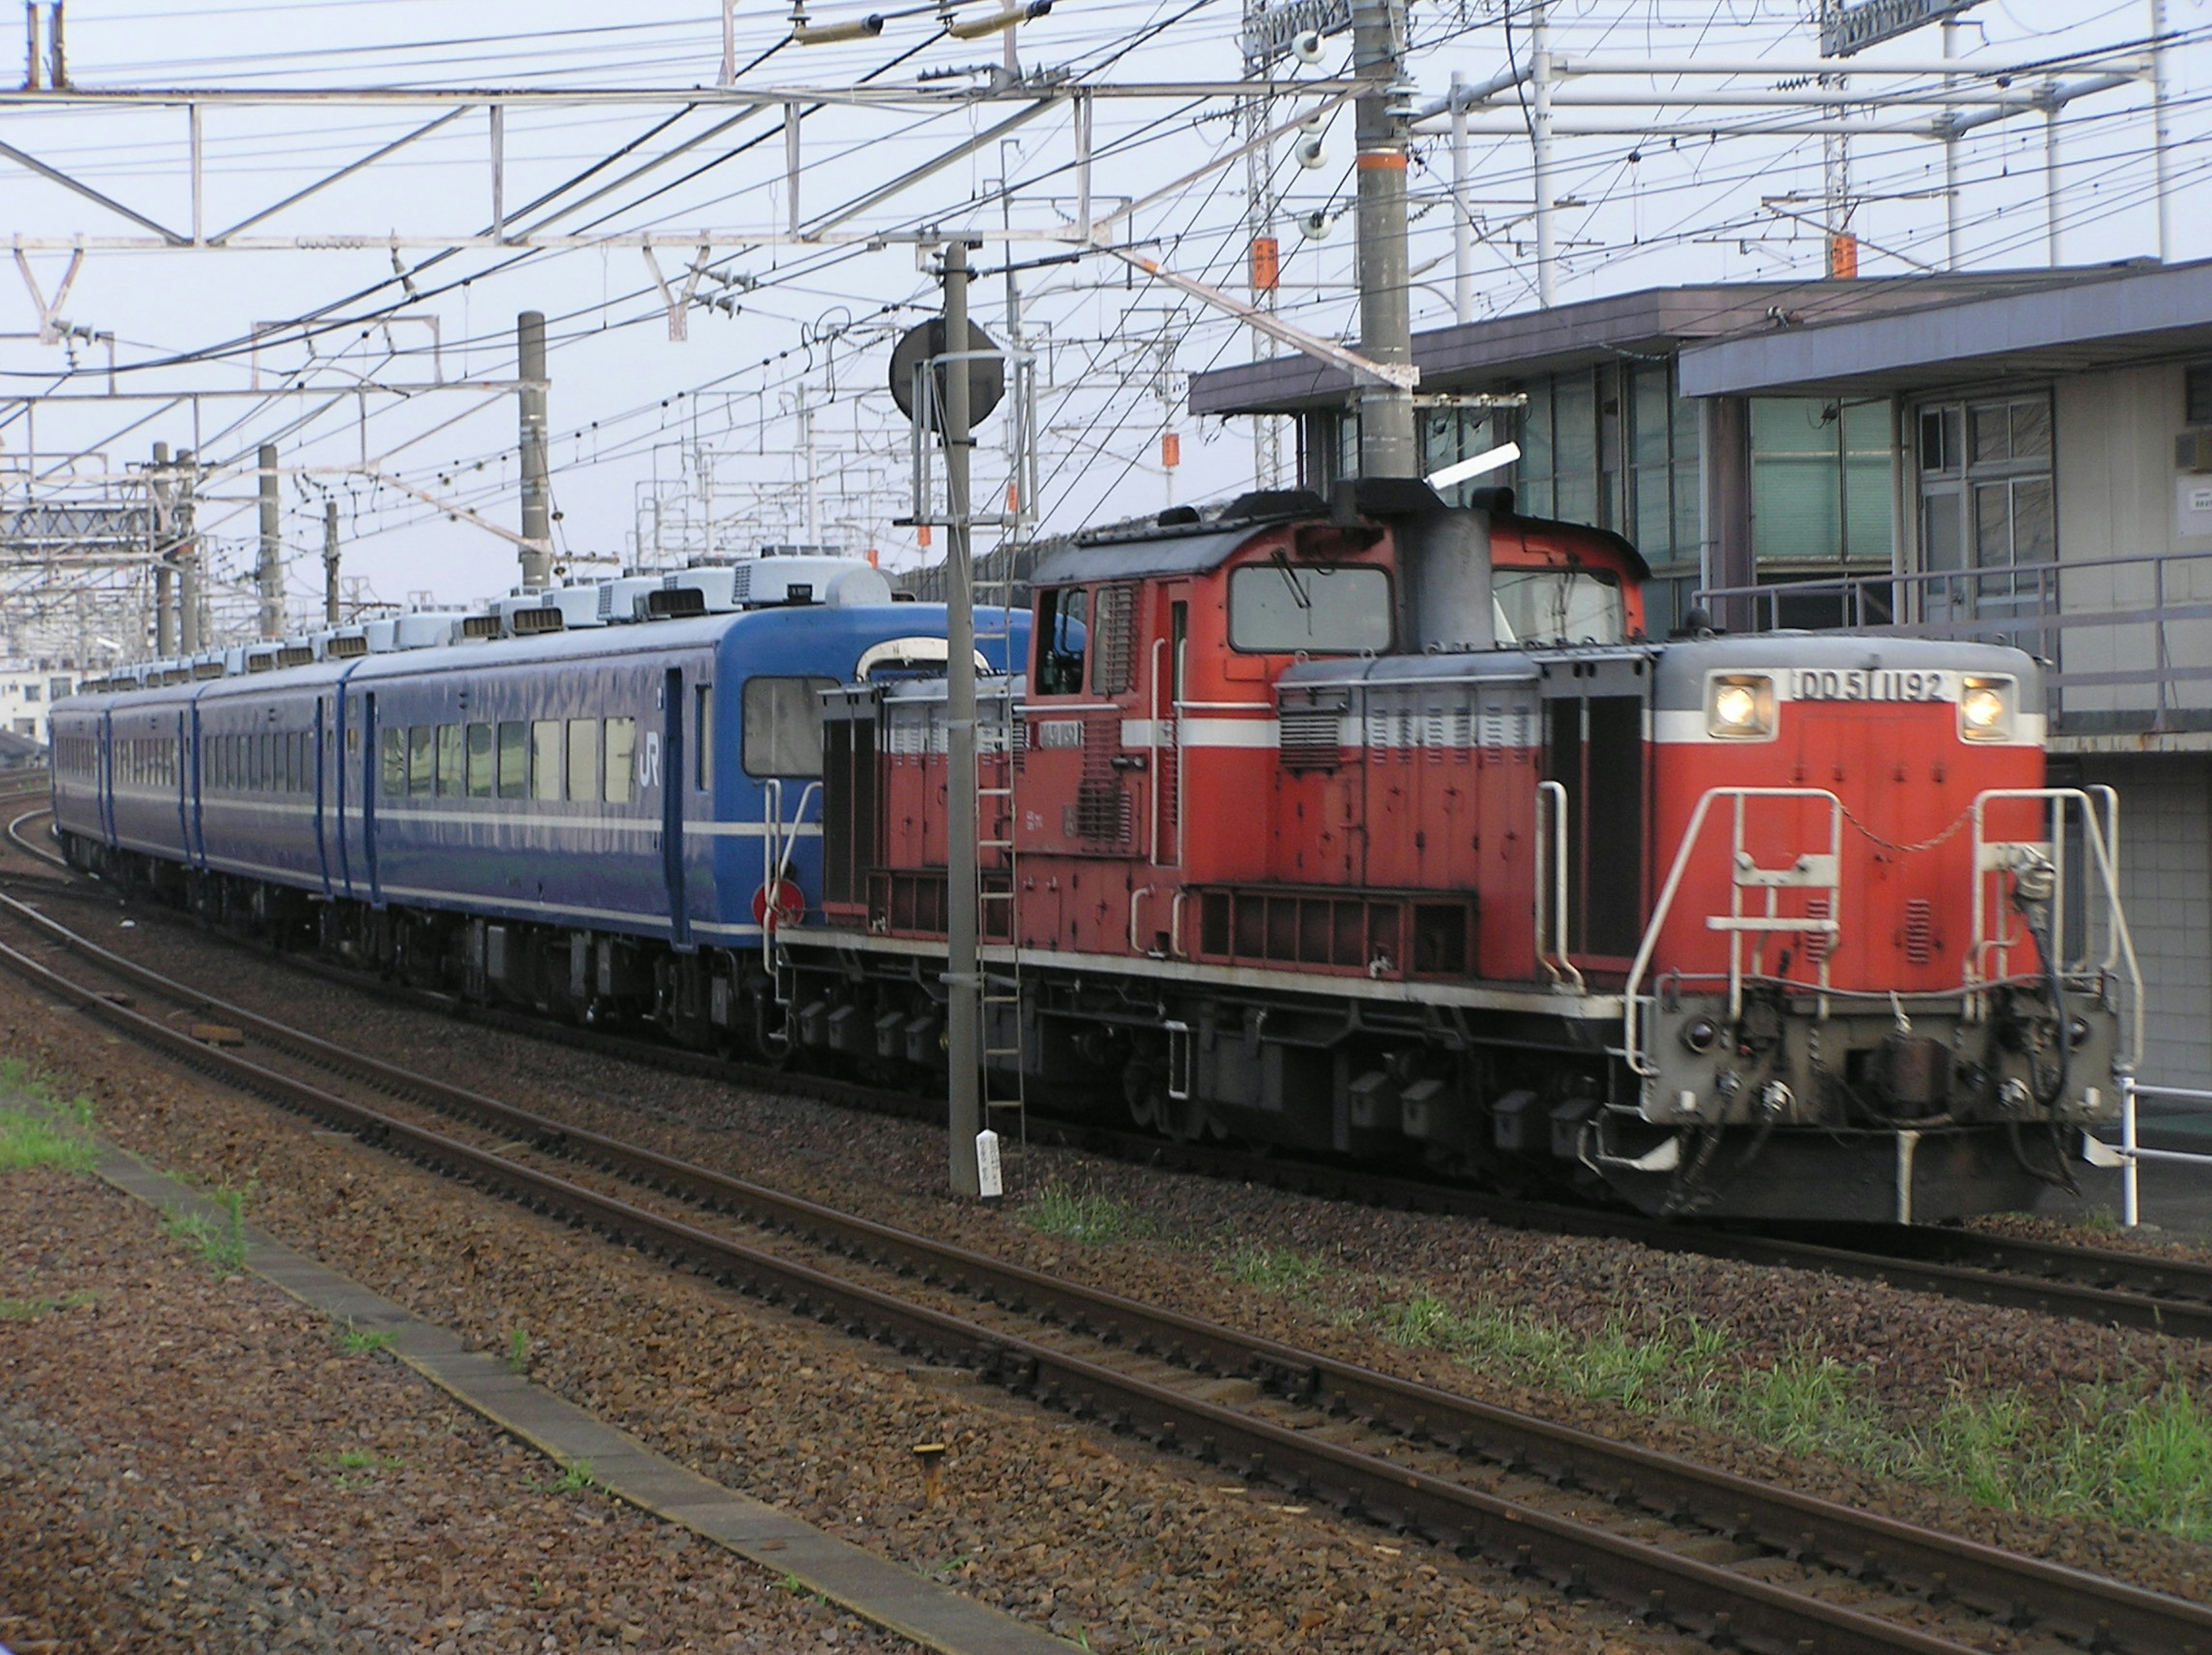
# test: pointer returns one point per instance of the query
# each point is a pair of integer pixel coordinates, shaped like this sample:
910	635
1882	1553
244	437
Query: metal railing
2067	612
2131	1155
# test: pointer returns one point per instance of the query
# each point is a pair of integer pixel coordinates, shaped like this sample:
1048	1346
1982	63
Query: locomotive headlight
1739	707
1985	709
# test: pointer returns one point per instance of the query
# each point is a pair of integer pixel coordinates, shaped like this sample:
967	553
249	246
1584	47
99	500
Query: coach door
671	777
1594	751
107	779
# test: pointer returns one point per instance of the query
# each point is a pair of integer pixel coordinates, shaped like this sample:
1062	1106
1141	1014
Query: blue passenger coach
593	820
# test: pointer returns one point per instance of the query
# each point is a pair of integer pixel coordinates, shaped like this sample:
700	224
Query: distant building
28	689
2023	457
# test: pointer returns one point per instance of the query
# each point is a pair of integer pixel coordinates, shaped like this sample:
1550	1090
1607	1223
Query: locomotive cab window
1557	606
1279	607
1061	632
783	725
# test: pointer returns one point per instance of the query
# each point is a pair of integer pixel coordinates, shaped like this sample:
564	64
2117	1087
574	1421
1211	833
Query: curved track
1740	1562
2100	1285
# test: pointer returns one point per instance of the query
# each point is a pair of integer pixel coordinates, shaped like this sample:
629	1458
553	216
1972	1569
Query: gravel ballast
190	1461
1065	1526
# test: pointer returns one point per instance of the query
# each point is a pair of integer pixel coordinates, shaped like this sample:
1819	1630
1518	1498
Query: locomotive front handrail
2102	837
1631	1048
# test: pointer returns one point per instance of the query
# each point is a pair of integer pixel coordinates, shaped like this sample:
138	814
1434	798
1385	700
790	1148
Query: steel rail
2082	1607
2099	1285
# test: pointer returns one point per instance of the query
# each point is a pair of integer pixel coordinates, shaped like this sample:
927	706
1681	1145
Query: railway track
1741	1563
2106	1286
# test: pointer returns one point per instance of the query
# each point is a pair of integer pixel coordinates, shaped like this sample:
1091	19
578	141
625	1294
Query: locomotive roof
1185	542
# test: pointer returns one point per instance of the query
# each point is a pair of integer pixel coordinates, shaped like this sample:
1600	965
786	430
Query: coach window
451	783
395	762
1325	609
583	759
702	737
783	725
622	751
545	758
421	759
481	761
1060	635
515	761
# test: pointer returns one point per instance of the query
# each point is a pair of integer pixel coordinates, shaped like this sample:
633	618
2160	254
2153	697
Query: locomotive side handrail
2101	835
1552	860
1631	1048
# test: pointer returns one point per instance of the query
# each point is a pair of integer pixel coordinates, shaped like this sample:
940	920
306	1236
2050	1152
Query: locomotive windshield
1557	606
1322	609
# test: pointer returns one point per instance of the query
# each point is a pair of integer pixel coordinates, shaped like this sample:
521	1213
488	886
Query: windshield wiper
1299	595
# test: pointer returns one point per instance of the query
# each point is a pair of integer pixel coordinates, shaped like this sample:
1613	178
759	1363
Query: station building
2019	456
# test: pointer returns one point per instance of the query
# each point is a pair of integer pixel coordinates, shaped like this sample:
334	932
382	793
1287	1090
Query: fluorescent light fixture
1489	461
976	28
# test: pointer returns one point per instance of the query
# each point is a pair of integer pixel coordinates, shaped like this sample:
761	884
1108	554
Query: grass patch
25	1310
220	1241
54	1131
1276	1269
356	1342
2138	1457
359	1467
1085	1215
518	1351
576	1478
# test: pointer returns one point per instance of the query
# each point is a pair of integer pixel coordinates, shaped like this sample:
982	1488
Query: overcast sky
639	418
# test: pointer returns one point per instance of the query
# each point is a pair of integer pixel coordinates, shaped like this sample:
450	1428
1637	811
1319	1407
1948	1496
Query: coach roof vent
296	653
697	592
261	661
345	646
533	614
424	629
623	599
482	626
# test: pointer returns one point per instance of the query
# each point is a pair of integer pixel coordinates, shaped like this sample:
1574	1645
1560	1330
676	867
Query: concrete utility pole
2161	136
271	570
162	536
330	561
536	489
1386	327
1539	145
962	977
188	560
1462	224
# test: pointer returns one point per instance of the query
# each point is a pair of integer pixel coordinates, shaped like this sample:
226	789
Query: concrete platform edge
883	1593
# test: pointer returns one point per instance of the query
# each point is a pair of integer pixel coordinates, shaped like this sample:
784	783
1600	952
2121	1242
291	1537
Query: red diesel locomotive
1379	828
